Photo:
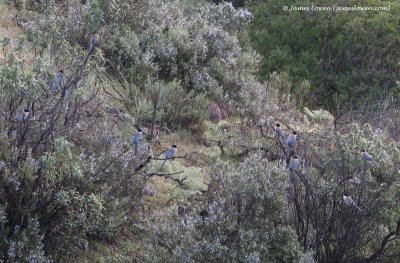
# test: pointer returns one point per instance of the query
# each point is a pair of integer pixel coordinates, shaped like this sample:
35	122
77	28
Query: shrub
26	245
345	55
239	220
167	102
59	165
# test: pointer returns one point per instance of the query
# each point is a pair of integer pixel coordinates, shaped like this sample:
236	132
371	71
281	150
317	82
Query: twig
168	176
168	158
112	161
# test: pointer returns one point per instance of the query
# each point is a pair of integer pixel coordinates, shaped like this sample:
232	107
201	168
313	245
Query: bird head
139	130
174	146
61	71
295	133
26	111
278	125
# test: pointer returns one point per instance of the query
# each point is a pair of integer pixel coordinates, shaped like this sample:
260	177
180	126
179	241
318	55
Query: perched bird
279	132
57	80
290	142
353	180
293	165
136	138
350	202
94	41
23	116
170	153
366	156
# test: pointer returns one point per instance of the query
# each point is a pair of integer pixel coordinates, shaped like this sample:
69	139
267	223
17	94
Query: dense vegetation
212	78
347	56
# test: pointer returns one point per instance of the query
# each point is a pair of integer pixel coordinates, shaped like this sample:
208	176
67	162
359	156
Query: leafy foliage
52	169
70	181
348	56
238	222
26	245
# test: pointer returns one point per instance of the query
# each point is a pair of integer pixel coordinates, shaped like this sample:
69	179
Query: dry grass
194	170
8	28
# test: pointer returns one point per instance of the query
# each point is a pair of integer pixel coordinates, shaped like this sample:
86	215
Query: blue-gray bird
57	80
293	165
136	139
23	116
366	156
290	142
169	154
94	41
350	202
279	132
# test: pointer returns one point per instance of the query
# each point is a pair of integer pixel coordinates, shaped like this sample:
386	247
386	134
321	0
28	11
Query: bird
94	41
136	138
57	80
290	142
353	180
293	165
170	153
350	202
279	132
367	157
23	116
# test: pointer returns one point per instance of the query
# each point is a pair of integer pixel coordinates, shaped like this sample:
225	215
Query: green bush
348	56
238	222
205	52
168	102
60	164
329	156
26	245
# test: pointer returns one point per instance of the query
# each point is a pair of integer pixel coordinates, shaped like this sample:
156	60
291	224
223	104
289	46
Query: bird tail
282	140
163	164
91	48
136	148
291	175
376	164
358	208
